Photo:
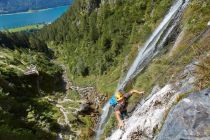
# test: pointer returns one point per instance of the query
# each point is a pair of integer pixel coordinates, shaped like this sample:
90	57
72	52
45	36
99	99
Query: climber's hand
140	92
136	91
121	124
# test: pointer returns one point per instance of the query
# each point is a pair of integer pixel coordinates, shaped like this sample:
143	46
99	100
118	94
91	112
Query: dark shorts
124	115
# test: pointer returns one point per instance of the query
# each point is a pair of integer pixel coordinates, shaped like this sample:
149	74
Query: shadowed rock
190	119
85	109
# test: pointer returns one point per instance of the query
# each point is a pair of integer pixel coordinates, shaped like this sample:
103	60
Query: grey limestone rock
189	119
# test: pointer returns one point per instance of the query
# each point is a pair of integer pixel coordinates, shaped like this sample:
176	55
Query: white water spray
148	51
103	118
145	55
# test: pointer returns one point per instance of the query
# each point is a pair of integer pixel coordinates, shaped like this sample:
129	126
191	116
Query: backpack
113	101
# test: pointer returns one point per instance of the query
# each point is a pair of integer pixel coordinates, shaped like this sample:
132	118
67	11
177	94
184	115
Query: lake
44	16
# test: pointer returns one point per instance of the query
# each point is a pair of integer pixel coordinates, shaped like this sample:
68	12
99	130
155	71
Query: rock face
148	116
190	119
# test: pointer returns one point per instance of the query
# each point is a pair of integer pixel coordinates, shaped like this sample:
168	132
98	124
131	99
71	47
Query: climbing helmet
119	96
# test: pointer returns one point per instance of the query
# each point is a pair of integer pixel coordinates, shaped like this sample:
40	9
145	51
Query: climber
119	102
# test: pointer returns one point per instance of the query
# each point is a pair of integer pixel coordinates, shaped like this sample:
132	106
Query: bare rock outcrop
189	119
147	118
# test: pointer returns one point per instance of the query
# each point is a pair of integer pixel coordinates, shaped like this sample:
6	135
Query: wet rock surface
189	119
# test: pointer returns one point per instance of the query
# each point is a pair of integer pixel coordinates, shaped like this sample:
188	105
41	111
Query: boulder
189	119
85	109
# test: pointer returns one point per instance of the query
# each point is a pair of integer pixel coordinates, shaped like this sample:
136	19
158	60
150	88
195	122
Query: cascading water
103	119
145	55
149	50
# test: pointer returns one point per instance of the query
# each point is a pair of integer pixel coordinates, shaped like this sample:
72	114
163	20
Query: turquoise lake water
45	16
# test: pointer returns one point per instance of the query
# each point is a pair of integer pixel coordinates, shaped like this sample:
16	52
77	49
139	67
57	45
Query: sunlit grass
26	28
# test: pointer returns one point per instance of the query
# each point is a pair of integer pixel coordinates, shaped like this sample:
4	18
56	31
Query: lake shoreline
29	19
33	11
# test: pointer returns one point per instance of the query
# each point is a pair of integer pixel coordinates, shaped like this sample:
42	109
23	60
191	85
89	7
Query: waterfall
148	51
103	118
151	48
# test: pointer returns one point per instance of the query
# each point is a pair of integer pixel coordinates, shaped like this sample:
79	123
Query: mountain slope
97	41
24	113
108	31
103	30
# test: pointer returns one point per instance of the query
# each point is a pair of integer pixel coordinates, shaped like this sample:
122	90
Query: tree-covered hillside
96	36
24	113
